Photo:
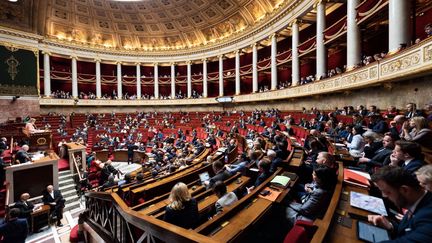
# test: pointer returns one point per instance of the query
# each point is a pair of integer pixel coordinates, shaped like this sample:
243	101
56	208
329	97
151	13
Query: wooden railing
115	222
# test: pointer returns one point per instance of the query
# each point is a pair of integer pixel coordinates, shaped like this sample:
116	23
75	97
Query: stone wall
23	106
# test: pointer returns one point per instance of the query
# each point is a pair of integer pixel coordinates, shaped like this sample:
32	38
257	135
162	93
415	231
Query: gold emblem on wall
12	63
41	141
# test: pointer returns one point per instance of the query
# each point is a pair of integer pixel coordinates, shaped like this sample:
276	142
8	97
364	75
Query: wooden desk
338	233
32	177
205	199
39	217
243	219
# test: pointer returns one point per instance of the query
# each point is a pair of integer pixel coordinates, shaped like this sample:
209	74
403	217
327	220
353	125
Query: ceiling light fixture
13	1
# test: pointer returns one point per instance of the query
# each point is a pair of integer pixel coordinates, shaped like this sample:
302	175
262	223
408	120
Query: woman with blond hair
420	132
183	209
424	176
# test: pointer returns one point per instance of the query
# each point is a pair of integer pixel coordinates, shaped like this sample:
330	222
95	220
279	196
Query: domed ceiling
138	24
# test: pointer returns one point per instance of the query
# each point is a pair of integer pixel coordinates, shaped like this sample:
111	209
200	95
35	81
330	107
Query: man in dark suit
14	230
106	171
22	156
25	207
381	156
408	155
405	192
55	200
412	111
221	173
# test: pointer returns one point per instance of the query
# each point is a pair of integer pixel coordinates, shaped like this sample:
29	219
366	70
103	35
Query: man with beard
403	189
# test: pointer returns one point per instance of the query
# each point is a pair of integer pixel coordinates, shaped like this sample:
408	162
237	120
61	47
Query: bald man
55	200
25	207
22	156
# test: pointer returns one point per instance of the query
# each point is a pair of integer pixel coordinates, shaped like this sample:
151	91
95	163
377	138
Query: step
65	177
64	172
71	194
72	206
66	182
67	187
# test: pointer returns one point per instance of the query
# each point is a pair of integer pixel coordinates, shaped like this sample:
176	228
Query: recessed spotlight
13	1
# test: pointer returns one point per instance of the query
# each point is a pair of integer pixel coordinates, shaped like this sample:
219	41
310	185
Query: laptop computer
204	177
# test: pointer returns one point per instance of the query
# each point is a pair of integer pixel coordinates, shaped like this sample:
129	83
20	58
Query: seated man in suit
14	230
55	200
407	155
22	156
381	156
400	187
221	174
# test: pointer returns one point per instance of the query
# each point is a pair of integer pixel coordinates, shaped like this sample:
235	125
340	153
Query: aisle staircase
67	188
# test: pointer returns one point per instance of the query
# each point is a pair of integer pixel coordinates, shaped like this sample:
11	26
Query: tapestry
18	71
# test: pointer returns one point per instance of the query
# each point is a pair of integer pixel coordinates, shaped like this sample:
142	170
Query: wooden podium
32	177
77	151
39	141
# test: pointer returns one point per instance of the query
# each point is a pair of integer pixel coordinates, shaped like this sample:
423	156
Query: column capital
46	52
172	63
204	60
295	21
155	64
273	35
188	62
317	2
118	63
255	44
237	51
220	56
137	64
73	57
97	60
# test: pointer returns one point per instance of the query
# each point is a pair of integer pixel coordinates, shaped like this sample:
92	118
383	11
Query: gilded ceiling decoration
139	25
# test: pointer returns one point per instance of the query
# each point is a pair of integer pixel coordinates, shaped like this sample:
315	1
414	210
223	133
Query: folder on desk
357	178
280	181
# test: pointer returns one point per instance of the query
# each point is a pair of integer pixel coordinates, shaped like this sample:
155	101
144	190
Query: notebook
357	178
371	233
204	177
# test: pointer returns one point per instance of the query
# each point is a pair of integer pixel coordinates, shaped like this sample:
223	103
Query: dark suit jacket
413	165
25	210
186	217
315	203
14	231
381	156
221	176
418	227
58	198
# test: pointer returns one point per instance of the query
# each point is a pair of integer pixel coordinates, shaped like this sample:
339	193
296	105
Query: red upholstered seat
73	237
302	232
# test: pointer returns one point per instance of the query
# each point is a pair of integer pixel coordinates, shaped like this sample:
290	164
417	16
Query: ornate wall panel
18	70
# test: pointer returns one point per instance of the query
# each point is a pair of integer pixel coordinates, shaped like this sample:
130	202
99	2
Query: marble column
189	79
74	78
321	52
156	81
47	75
98	79
173	78
237	72
353	35
138	80
274	70
205	93
254	68
295	73
119	81
221	76
399	24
